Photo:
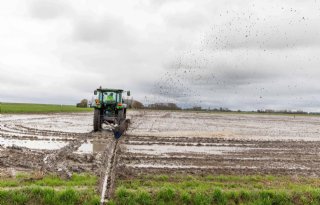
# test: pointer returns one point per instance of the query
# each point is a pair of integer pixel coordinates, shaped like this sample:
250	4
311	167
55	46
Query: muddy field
221	144
61	143
161	142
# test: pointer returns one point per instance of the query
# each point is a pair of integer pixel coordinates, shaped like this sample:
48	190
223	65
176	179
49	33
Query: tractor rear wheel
96	120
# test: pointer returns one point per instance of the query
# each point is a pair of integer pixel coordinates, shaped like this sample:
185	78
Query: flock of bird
199	75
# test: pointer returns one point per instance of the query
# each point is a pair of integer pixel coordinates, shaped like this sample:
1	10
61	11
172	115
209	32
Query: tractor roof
109	90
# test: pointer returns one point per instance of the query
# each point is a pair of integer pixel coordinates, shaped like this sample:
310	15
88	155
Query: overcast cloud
237	54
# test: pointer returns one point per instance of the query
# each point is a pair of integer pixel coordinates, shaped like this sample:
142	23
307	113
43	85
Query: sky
248	54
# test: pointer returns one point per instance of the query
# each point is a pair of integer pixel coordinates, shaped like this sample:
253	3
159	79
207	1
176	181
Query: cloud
107	29
190	19
241	55
48	9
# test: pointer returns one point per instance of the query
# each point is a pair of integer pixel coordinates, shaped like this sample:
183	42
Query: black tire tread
96	120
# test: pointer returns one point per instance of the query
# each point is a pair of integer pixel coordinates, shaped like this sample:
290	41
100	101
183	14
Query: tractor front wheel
96	120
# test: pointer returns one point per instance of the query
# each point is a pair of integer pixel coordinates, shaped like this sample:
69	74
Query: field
164	158
38	108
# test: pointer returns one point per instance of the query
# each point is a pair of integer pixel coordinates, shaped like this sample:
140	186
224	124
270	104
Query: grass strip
35	188
25	179
221	189
169	195
39	196
6	108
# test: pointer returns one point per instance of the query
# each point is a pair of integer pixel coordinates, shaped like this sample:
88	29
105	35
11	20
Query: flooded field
163	142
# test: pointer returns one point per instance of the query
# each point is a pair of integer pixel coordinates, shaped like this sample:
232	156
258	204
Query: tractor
110	109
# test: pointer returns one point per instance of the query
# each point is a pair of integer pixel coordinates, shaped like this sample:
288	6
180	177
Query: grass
221	189
26	188
39	196
38	108
83	179
35	189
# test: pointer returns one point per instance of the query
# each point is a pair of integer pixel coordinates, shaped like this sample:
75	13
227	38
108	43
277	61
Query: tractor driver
110	98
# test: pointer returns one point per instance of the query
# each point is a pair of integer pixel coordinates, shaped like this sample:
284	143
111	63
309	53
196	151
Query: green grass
222	189
26	188
38	108
83	179
46	196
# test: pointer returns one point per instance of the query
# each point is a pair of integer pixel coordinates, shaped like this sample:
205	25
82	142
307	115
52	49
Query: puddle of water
168	166
139	143
92	147
33	144
165	149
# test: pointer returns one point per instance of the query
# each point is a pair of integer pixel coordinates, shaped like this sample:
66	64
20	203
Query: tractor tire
96	120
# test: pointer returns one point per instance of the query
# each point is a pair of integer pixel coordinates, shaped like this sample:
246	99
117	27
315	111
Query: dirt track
164	142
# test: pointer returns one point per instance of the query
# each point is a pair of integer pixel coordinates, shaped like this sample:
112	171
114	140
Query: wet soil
144	154
49	143
213	143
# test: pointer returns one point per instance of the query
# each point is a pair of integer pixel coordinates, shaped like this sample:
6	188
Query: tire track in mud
39	132
14	130
108	173
151	154
44	126
63	161
46	150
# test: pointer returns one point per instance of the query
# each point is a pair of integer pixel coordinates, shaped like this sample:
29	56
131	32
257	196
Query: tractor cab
108	96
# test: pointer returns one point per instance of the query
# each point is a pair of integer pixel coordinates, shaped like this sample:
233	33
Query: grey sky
236	54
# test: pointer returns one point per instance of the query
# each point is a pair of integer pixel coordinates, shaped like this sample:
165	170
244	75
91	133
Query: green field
38	108
205	190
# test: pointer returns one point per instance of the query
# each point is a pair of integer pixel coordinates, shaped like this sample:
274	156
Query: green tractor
110	109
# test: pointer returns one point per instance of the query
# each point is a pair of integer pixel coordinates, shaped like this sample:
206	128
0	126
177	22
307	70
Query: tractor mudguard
119	130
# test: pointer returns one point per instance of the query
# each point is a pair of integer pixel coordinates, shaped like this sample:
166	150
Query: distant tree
136	104
164	106
197	108
83	103
173	106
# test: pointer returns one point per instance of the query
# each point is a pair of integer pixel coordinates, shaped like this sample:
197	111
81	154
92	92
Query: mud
206	143
162	142
141	154
108	173
59	143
